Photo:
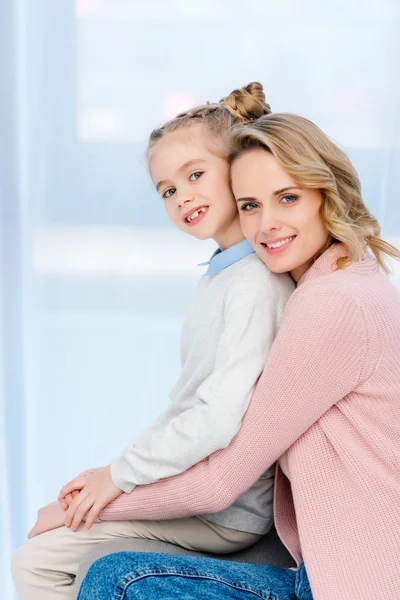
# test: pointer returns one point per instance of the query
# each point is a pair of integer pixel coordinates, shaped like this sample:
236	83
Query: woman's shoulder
360	282
358	294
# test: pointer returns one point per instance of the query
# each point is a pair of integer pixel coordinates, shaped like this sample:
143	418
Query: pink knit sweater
330	397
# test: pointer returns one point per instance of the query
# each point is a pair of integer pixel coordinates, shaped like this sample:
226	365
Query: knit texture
329	396
227	334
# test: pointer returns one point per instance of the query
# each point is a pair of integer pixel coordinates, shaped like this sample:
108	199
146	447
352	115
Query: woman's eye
196	175
249	206
169	193
288	199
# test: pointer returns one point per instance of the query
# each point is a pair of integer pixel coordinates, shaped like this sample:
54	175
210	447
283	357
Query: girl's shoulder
253	278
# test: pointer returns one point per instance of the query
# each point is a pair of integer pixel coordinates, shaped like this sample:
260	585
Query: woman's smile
278	246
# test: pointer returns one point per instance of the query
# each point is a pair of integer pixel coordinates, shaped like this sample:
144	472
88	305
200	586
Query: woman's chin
275	264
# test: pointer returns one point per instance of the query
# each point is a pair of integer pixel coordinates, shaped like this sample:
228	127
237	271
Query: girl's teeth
196	214
281	243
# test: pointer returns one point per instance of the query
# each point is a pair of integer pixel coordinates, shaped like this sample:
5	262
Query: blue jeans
140	576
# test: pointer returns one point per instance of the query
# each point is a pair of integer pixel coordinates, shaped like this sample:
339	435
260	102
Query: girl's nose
184	199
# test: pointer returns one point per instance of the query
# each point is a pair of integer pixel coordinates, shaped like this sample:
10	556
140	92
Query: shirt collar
224	258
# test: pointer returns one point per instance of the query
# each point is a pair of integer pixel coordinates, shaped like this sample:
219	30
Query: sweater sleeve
317	359
215	411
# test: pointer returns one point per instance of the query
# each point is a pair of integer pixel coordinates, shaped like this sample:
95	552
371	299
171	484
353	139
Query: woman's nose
269	221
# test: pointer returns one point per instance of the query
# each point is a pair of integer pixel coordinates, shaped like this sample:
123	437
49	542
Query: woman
326	406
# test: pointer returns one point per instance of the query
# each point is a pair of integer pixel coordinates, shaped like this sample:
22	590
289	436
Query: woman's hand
97	490
49	517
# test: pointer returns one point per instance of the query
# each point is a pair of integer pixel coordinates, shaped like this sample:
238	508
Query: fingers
69	498
72	509
75	484
83	475
36	530
67	501
75	520
92	515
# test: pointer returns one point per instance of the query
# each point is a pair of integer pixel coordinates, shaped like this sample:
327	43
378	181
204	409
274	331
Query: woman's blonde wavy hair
313	161
241	106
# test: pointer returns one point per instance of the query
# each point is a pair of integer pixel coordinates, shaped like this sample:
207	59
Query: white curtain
93	279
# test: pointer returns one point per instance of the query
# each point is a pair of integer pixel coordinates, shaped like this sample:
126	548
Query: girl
326	406
226	337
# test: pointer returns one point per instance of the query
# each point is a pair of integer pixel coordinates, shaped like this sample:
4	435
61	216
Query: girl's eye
196	175
288	199
248	206
169	193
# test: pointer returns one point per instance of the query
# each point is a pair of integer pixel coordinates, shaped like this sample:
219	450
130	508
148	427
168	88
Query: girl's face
194	184
281	220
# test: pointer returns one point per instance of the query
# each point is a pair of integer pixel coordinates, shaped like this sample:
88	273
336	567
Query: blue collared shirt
225	258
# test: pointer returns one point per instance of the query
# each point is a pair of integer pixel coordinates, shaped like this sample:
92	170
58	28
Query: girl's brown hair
243	105
313	161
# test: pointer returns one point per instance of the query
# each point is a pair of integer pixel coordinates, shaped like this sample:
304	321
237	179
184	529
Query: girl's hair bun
247	103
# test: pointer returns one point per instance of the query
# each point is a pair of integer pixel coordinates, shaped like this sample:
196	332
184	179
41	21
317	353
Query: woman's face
281	220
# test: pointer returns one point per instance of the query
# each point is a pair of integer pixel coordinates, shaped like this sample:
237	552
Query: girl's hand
97	490
49	517
67	501
67	498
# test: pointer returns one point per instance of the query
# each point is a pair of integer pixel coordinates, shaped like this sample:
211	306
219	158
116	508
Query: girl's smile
193	181
195	215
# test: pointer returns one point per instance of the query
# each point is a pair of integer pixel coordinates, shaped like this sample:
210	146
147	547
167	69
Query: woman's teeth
281	243
195	214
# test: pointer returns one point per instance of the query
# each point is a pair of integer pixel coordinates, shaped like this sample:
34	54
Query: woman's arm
318	357
213	414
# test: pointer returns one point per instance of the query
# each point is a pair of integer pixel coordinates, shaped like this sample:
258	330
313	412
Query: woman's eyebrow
246	199
286	189
276	193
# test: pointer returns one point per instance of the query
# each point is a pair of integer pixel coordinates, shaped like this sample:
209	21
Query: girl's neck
231	236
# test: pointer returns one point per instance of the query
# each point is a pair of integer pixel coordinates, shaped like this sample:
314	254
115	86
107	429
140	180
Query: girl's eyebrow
183	167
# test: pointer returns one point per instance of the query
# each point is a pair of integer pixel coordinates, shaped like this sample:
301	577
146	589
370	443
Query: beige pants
45	567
